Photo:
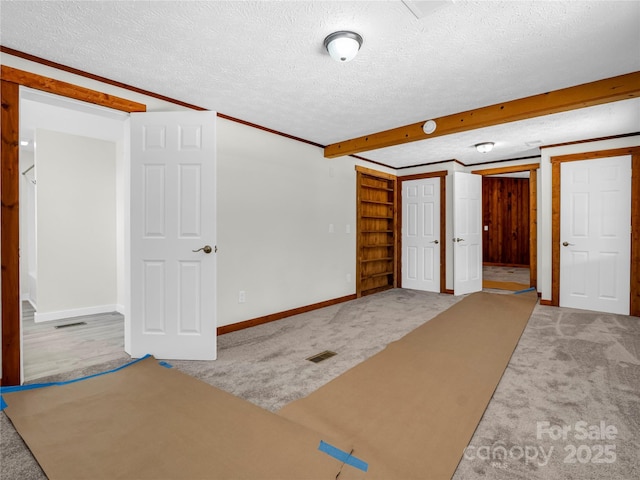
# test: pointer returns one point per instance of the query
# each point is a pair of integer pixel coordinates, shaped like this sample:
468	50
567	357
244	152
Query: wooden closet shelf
386	189
376	232
382	259
375	275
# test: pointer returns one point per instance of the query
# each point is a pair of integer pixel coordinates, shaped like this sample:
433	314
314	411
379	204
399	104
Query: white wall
277	200
75	225
40	110
544	205
27	226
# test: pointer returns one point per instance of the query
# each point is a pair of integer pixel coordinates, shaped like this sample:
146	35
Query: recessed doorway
510	227
71	233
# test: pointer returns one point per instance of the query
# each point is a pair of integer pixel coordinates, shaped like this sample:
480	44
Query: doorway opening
436	232
71	233
509	208
505	243
12	81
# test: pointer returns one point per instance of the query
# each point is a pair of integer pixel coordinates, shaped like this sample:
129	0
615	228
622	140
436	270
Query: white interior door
467	233
595	234
421	234
173	216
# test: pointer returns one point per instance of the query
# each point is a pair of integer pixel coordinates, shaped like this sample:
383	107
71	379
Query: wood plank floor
48	350
506	274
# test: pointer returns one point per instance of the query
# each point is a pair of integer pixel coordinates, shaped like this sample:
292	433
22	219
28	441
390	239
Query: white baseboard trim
76	312
26	298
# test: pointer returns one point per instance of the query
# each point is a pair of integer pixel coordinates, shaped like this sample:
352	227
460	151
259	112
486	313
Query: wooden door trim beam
10	219
608	90
11	79
58	87
502	170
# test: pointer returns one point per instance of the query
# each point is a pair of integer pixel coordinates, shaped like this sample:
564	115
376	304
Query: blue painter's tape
3	404
344	457
33	386
530	289
165	364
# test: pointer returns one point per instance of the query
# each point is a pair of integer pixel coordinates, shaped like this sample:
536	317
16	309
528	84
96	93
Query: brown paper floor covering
408	411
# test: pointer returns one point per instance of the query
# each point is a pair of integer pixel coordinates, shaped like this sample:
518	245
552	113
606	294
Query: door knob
205	249
566	244
435	241
458	239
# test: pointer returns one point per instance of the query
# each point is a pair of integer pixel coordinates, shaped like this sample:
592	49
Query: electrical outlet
347	229
348	278
331	228
242	296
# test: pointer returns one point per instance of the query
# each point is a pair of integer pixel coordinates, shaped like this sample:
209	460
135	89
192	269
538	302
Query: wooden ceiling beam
608	90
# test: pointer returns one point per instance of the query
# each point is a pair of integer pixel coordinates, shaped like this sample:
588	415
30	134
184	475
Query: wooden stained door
376	225
505	211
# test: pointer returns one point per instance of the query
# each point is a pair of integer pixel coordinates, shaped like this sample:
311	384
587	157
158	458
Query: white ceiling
264	62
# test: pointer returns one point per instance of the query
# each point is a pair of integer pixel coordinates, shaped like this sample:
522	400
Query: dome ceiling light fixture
343	45
484	147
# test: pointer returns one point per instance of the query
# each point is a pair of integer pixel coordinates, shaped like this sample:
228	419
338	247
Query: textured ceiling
263	62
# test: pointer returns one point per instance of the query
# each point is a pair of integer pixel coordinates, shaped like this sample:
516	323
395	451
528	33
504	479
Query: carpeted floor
570	367
574	371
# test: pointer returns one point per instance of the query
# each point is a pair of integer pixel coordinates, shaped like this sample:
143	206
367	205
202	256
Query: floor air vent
321	356
76	324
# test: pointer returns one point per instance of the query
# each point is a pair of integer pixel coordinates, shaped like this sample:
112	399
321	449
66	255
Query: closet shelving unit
377	241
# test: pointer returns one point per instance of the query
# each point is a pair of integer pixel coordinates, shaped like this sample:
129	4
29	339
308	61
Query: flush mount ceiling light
343	46
484	147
